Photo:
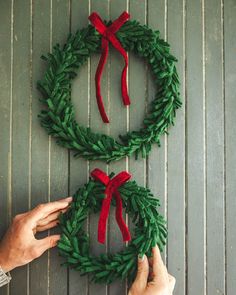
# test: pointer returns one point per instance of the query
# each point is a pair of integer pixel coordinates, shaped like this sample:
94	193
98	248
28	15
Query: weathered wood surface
193	173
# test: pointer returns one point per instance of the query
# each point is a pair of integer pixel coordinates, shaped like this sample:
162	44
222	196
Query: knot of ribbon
112	186
108	35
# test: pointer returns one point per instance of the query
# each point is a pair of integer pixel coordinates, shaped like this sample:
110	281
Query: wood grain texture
195	144
215	245
157	160
230	136
138	96
193	173
21	100
78	168
58	158
102	7
176	155
6	114
39	139
117	113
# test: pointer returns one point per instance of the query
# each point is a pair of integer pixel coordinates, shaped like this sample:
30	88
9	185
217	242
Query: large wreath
59	119
95	196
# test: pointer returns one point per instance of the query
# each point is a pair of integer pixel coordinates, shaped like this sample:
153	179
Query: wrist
4	278
5	263
5	266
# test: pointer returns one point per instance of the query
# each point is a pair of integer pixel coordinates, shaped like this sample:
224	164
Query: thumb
142	273
47	243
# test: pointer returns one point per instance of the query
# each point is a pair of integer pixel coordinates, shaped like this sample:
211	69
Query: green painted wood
195	144
81	98
157	176
118	125
58	157
21	100
176	156
5	113
230	136
39	139
138	96
192	173
102	7
215	246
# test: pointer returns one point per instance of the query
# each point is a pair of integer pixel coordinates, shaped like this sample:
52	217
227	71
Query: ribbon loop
108	35
112	186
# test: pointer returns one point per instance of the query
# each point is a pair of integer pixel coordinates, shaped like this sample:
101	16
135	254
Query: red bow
108	35
112	186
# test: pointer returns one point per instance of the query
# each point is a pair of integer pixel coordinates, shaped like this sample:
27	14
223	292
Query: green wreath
59	119
149	230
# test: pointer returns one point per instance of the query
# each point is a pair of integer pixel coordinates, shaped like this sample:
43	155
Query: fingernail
65	203
140	257
69	199
57	239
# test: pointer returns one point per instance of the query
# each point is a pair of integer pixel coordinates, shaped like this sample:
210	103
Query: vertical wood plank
176	155
5	111
230	137
195	108
58	156
20	128
41	12
96	123
5	114
138	93
118	125
157	159
214	150
80	98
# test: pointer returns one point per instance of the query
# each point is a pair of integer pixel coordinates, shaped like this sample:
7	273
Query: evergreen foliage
58	118
150	229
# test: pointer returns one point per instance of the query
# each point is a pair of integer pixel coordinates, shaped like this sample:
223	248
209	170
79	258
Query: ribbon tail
100	67
102	224
124	89
119	218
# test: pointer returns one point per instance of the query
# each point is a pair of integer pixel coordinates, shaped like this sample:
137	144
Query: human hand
19	245
160	283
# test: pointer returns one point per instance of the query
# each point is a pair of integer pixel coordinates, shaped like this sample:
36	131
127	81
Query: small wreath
59	119
96	195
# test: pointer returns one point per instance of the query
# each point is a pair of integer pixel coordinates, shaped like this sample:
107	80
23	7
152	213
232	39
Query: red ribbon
108	35
112	186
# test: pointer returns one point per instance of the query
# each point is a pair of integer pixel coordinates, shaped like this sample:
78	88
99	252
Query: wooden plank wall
193	173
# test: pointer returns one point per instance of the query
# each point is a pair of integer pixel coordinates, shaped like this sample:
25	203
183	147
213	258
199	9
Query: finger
47	226
142	274
43	210
159	269
47	243
50	217
67	199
